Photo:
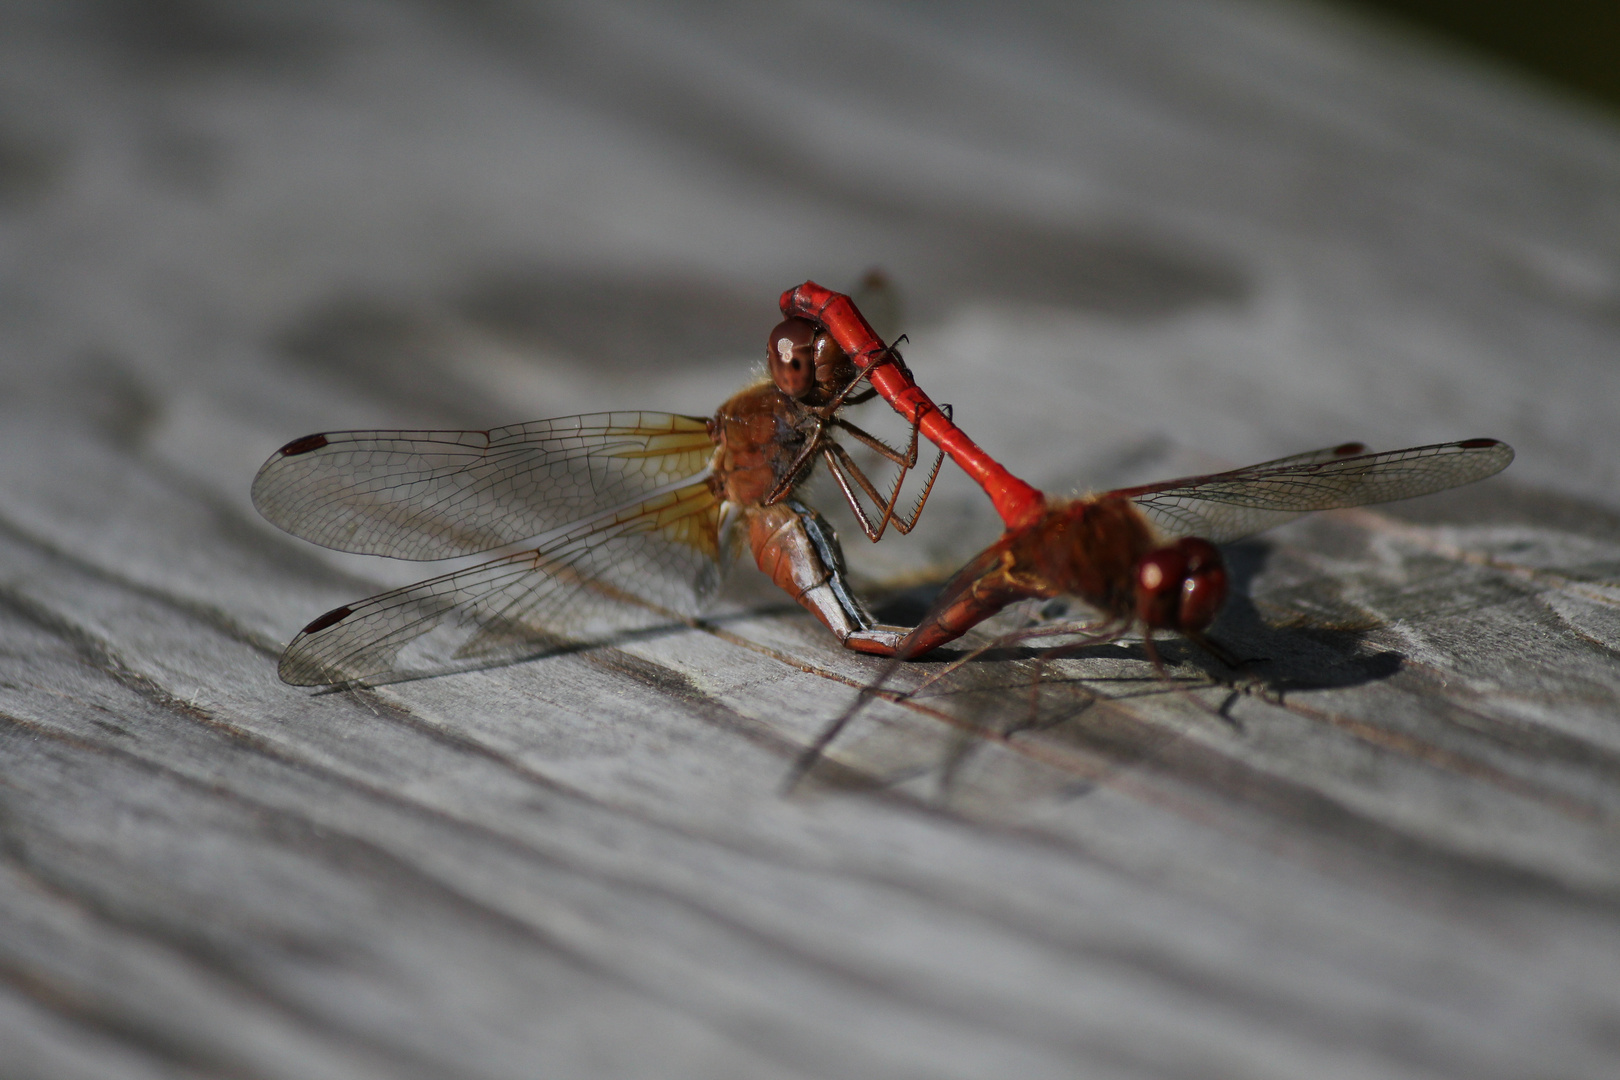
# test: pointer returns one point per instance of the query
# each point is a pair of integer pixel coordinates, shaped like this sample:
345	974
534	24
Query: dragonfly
1143	555
836	315
1146	557
621	520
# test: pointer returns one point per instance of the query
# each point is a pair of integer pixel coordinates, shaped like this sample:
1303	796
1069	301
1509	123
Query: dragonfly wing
1223	507
1311	457
442	494
649	566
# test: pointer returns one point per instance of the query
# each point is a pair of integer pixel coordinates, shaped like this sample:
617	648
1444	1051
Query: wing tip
1499	453
331	618
303	445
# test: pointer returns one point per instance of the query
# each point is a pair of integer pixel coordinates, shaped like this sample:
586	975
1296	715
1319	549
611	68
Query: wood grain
1133	240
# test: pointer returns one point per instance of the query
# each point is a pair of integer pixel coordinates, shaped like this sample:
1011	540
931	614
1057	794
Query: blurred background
1566	45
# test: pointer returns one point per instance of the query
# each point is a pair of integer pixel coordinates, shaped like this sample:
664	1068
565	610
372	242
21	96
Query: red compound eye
1181	587
1203	590
791	354
833	368
1158	587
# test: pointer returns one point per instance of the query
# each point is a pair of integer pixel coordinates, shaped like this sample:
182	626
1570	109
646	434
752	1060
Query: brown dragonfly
623	520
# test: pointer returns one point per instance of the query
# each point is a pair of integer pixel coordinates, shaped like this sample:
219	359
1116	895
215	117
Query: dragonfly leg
848	394
798	468
906	458
979	590
976	592
1216	649
1012	637
843	468
799	551
838	461
1153	655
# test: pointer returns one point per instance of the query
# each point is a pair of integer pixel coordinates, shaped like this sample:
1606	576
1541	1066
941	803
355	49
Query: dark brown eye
833	369
790	352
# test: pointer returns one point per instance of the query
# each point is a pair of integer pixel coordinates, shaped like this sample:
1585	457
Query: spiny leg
818	441
795	472
846	396
906	459
838	461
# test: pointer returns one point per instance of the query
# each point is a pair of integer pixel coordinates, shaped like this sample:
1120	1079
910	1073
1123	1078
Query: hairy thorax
758	435
1092	546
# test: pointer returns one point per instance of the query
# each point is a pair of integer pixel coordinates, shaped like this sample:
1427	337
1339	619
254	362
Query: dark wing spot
1479	444
1349	449
331	618
304	445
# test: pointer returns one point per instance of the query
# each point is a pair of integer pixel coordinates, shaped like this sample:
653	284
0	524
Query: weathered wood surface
1134	239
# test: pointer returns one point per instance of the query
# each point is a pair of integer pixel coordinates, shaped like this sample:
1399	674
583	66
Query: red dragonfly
836	314
1143	555
1146	557
625	519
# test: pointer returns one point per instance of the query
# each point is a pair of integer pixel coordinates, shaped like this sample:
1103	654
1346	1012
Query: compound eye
1158	587
1203	590
833	368
790	352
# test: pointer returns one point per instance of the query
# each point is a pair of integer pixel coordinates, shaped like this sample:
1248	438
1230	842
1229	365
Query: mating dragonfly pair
614	522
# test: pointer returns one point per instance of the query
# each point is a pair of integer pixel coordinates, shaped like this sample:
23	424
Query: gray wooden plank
1132	240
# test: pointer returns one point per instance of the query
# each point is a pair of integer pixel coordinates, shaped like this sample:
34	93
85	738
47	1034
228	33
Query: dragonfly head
1180	587
804	359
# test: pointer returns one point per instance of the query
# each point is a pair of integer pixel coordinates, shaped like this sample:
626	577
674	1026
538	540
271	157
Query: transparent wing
1223	507
1311	457
652	565
442	494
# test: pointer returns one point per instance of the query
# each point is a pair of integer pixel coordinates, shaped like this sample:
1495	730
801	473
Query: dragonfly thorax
1086	548
760	437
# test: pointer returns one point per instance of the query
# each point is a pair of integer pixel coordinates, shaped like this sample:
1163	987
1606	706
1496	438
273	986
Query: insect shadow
1006	692
526	647
1298	655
